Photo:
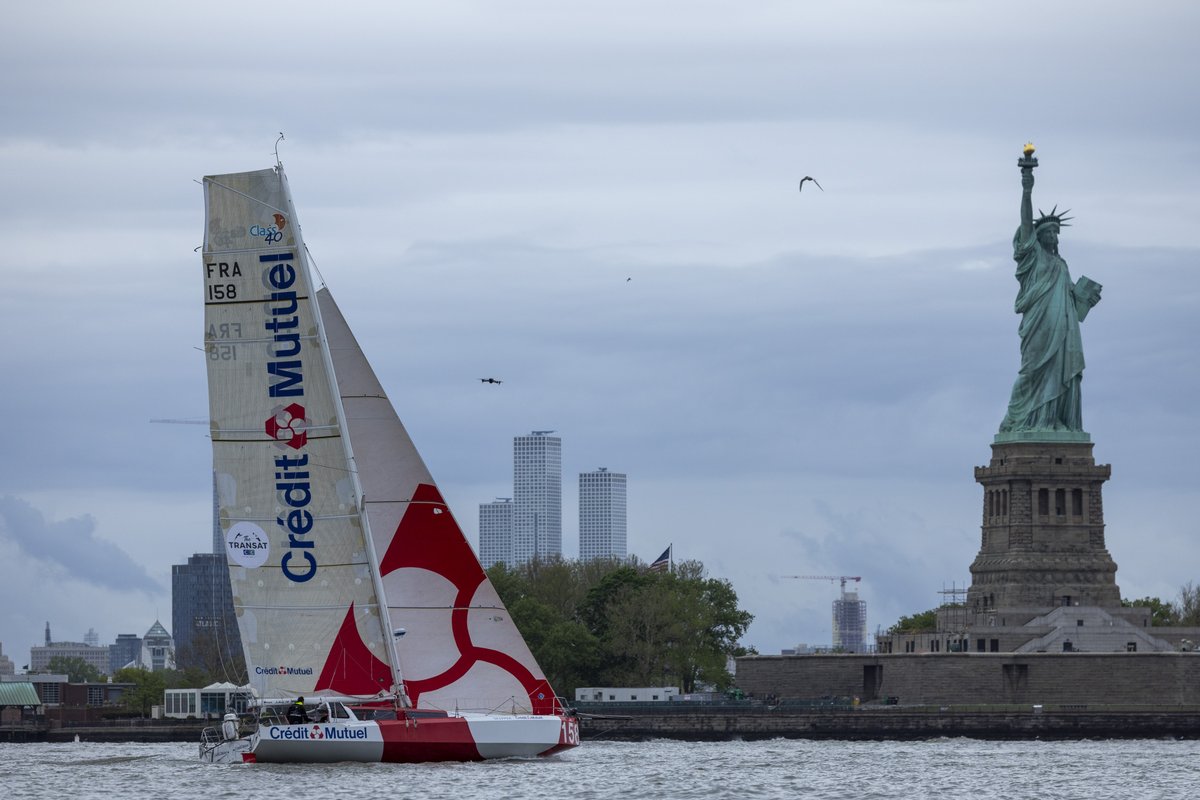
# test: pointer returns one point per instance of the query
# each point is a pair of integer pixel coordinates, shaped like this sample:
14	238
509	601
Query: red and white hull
463	737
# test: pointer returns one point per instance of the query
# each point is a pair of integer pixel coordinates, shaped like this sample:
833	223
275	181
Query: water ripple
659	770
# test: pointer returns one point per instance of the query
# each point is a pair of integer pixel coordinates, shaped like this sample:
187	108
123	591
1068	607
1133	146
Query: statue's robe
1046	395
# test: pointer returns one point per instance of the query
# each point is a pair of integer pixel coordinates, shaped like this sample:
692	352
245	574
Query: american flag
663	562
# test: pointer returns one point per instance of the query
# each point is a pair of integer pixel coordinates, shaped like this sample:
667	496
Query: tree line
610	623
1182	612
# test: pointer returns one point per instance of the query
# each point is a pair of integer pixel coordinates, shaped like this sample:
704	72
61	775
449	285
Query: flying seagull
809	178
491	380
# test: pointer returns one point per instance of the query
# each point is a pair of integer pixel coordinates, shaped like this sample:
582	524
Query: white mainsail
304	588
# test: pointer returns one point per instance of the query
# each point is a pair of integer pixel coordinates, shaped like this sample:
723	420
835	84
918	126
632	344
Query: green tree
76	669
640	626
607	623
709	627
542	597
1161	613
147	689
571	656
925	622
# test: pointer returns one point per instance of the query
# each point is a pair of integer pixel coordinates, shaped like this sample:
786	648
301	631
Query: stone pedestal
1043	531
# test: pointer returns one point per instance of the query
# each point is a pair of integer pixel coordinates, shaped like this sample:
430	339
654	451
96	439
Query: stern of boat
215	749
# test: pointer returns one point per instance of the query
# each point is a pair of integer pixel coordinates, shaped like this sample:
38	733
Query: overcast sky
597	203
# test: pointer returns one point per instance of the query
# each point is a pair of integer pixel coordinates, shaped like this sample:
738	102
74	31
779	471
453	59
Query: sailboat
370	630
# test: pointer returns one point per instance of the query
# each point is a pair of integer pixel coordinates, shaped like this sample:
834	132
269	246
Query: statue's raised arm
1027	163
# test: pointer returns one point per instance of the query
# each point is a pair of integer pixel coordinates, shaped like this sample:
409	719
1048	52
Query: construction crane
849	615
842	578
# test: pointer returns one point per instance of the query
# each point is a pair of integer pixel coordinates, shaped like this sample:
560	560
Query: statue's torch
1027	161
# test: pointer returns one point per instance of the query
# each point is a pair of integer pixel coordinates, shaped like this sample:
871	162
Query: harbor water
942	768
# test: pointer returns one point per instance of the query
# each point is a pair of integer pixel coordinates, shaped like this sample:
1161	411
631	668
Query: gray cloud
72	545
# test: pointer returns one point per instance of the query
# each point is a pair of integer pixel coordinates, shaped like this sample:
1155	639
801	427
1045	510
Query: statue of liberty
1046	394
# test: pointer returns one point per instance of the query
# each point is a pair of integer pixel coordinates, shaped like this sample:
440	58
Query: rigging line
446	608
306	337
227	655
309	429
321	518
313	262
278	163
310	463
330	466
341	608
221	641
225	436
248	197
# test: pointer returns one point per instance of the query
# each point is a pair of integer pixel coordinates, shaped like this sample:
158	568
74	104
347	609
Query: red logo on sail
288	426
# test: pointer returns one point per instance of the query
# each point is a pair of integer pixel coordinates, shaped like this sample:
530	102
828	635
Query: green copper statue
1046	396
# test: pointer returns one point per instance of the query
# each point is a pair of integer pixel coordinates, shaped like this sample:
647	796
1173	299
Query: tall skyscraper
495	532
601	515
537	497
206	631
202	615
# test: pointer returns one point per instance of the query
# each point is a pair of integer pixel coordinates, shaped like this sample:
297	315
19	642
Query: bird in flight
491	380
809	178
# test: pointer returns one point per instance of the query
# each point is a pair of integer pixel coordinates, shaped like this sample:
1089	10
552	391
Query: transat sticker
248	545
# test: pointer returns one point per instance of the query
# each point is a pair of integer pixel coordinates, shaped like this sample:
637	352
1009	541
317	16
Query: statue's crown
1053	218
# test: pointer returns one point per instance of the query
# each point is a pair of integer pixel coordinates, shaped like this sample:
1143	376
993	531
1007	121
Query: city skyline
801	382
537	495
154	650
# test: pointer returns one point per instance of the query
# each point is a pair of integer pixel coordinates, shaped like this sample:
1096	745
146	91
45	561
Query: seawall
705	722
891	723
140	731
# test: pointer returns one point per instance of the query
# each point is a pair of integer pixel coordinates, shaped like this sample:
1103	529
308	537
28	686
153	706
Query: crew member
295	714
